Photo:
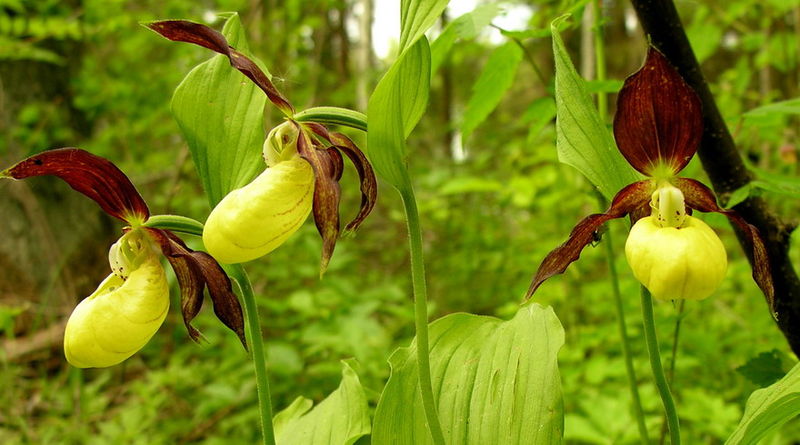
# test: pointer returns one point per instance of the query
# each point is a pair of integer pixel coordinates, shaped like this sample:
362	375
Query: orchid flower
304	165
129	306
657	127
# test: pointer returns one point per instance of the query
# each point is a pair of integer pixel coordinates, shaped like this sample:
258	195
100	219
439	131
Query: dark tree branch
723	163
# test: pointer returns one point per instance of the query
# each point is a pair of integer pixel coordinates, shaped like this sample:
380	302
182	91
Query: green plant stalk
239	275
626	347
421	314
658	368
600	56
259	355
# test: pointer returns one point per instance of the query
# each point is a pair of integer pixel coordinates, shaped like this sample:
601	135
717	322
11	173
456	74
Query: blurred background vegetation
85	73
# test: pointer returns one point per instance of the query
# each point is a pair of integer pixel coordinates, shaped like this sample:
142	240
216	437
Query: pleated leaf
494	381
769	408
582	139
416	16
341	419
220	112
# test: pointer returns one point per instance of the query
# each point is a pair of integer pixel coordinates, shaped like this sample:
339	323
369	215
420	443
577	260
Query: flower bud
120	317
257	218
686	262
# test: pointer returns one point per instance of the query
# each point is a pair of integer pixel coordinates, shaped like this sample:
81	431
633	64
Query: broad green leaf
466	26
341	419
493	82
416	16
495	382
220	113
394	109
769	408
582	138
785	107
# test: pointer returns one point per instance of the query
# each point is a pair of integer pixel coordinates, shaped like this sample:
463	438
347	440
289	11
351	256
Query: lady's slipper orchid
304	162
129	306
657	126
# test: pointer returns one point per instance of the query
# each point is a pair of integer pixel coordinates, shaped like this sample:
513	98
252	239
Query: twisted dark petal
318	129
659	117
628	200
96	177
369	185
701	198
196	271
202	35
328	166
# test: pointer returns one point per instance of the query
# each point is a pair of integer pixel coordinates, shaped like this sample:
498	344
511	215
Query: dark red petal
627	200
196	271
202	35
318	129
96	177
327	165
700	197
659	119
369	185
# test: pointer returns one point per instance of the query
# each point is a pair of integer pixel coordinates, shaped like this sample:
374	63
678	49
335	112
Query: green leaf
496	382
416	16
394	109
582	138
493	82
785	107
769	408
341	419
220	113
466	26
764	369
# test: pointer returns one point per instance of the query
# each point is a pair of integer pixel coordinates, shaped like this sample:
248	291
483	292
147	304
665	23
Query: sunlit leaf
493	82
466	26
495	382
768	408
394	109
341	419
416	16
220	113
583	141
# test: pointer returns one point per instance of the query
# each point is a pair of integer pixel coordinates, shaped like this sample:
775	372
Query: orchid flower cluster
304	163
658	126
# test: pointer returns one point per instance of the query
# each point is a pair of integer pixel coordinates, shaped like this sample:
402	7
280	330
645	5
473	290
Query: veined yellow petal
257	218
688	262
119	318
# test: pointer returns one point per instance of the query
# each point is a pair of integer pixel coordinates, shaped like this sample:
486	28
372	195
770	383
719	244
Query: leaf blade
497	382
583	141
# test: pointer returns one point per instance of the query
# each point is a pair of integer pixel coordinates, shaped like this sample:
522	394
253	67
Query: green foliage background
84	73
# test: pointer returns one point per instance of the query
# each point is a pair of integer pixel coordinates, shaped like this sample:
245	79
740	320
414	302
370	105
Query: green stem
421	313
239	275
259	356
658	368
600	56
626	347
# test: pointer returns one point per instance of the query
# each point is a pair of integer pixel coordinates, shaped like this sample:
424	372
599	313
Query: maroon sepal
659	119
96	177
369	185
328	166
629	199
701	198
196	271
202	35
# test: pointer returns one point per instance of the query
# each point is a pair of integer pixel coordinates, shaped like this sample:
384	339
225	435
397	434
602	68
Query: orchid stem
658	368
259	354
421	313
626	347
